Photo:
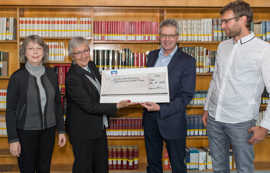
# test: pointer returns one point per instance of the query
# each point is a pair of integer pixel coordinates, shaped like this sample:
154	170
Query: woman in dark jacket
34	110
86	116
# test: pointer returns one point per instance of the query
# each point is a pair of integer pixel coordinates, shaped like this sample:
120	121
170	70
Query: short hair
239	8
75	42
169	22
35	39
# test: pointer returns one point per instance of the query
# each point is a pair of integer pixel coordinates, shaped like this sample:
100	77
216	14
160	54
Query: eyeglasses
81	52
169	36
229	19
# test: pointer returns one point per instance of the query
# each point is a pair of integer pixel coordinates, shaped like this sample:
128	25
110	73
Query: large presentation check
137	85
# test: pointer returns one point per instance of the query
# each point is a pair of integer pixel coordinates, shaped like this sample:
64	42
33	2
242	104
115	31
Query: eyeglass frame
229	19
169	36
81	52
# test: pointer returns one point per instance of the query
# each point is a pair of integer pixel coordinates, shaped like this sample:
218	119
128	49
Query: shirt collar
161	52
246	39
86	68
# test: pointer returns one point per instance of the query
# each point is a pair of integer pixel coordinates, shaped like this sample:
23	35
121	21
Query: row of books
262	30
3	127
3	97
57	51
126	30
197	159
55	27
7	28
200	30
106	59
195	126
4	57
125	127
199	98
123	157
133	126
203	30
205	59
200	159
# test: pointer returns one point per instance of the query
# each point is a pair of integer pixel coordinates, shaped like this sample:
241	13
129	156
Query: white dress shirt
242	71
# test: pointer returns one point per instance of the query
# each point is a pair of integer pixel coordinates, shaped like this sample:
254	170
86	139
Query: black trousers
90	155
154	146
36	150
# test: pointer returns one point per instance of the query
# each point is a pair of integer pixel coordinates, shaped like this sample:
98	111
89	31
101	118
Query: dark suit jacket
171	118
84	112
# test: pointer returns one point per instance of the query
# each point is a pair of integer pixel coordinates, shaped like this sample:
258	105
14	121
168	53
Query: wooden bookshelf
128	10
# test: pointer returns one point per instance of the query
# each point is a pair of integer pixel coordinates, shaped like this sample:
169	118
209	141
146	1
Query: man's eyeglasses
229	19
81	52
169	36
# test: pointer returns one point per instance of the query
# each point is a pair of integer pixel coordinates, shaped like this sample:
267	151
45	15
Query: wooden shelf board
263	106
138	3
199	42
142	137
194	106
4	153
141	168
197	137
152	42
204	74
126	138
7	41
58	62
124	42
2	110
262	165
4	77
51	38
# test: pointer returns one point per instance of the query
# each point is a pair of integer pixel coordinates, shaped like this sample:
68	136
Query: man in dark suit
167	121
86	120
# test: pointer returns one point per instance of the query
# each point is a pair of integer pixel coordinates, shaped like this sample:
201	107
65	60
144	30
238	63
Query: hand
124	103
15	149
258	134
151	106
61	140
204	118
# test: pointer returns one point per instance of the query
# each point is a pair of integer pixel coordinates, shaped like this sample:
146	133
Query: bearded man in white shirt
233	101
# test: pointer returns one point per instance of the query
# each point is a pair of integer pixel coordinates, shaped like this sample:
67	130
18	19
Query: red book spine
130	158
118	158
121	157
125	157
110	155
114	155
136	157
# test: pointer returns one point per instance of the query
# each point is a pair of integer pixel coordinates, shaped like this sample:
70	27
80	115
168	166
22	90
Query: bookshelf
117	13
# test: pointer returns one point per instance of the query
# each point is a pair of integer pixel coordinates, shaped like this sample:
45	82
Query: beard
233	32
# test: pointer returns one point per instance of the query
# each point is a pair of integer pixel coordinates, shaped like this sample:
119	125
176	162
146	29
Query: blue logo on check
114	72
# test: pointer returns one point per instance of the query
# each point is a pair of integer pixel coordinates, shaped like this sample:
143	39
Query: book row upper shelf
121	24
190	30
